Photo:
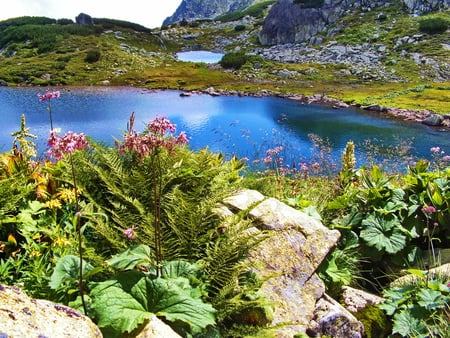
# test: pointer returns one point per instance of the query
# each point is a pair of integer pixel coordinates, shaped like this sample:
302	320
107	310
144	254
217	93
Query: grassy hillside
43	51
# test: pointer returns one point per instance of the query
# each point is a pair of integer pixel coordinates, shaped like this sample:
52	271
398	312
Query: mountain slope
191	10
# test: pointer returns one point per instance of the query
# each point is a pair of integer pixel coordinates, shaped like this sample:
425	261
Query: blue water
242	126
199	56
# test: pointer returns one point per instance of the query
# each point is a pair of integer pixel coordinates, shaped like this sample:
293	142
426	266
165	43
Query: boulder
84	19
287	259
23	316
434	120
156	328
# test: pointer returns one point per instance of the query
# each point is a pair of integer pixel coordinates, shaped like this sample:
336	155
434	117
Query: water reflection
243	126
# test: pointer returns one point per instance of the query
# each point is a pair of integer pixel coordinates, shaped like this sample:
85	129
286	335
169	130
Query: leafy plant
132	296
419	309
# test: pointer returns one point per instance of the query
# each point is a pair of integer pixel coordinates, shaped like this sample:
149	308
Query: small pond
199	56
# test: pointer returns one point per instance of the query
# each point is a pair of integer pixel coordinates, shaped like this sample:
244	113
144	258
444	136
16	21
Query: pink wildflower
435	149
429	209
158	135
267	159
446	158
48	95
274	151
130	233
60	146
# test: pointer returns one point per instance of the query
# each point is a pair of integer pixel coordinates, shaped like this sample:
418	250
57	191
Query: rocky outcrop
290	22
84	19
191	10
22	316
425	6
287	260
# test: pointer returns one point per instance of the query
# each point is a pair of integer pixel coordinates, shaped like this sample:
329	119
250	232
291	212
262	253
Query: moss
376	324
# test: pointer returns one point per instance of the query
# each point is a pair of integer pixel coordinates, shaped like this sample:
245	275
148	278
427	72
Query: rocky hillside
296	21
191	10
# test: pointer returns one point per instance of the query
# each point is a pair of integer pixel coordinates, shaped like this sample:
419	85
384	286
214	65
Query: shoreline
423	116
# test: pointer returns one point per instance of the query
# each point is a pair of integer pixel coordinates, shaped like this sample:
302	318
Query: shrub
433	25
233	60
92	56
239	28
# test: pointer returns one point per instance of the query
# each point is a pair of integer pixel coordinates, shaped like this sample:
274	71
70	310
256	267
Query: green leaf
130	258
383	233
337	275
430	299
172	299
173	269
124	303
407	325
117	309
67	269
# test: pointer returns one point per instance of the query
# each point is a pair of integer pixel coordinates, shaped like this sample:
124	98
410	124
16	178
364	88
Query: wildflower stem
78	229
157	188
50	114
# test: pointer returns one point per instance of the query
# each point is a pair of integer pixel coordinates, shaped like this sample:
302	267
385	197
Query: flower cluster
60	146
273	152
48	95
159	134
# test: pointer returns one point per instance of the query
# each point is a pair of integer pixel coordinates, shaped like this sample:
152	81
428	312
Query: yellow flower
35	253
60	241
53	204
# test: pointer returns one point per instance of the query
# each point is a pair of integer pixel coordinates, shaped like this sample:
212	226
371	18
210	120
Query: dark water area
242	126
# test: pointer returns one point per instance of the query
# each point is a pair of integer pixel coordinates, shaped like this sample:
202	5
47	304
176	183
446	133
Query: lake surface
200	56
244	126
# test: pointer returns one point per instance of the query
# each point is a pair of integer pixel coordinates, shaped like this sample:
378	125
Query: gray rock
84	19
22	316
355	300
434	120
333	320
287	259
156	328
3	83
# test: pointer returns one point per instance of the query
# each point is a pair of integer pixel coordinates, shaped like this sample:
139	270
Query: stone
3	83
333	320
156	328
84	19
434	120
23	316
287	259
355	300
443	270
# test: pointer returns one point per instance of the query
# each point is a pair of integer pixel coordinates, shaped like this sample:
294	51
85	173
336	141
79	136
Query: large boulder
84	19
23	316
287	259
